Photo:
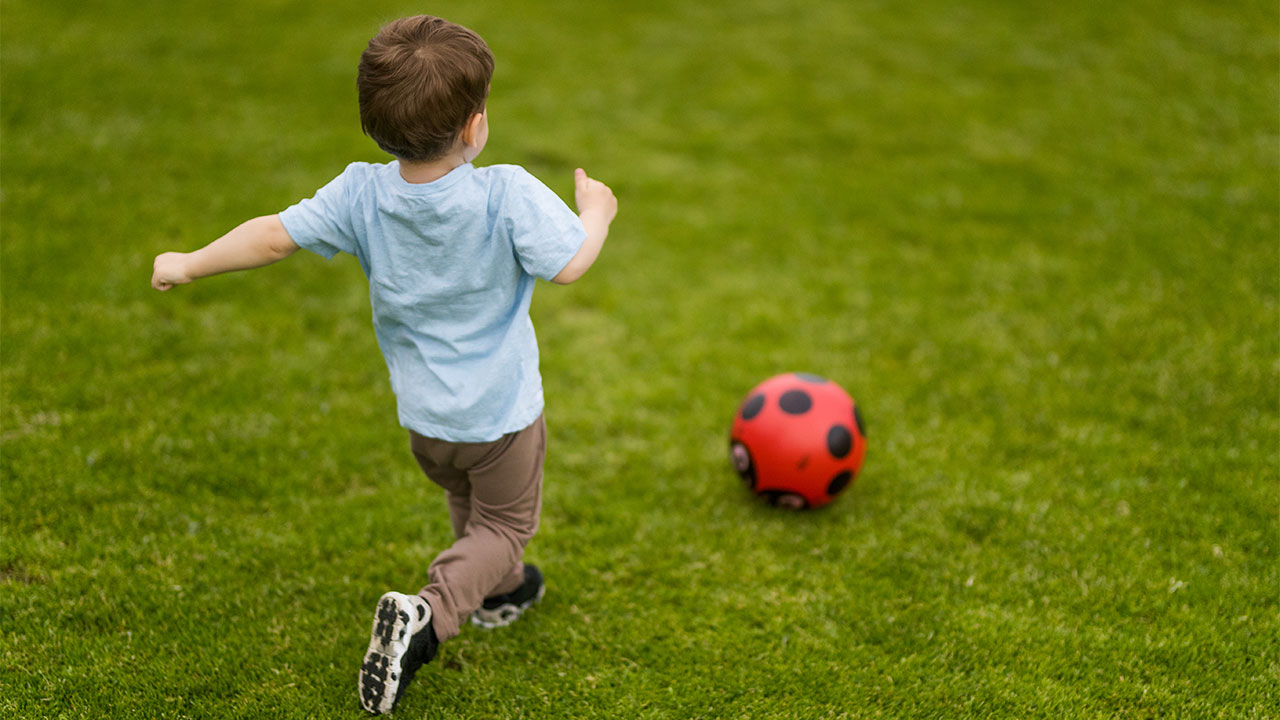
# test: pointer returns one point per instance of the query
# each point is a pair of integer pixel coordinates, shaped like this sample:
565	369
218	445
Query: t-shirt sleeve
323	223
546	234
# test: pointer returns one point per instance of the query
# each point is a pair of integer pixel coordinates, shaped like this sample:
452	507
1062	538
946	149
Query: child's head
421	80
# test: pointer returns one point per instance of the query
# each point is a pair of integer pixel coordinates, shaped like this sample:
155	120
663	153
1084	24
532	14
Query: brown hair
420	81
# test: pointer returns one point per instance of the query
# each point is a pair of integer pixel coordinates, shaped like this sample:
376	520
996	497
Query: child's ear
471	130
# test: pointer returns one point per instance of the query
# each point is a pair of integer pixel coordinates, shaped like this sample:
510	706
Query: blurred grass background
1037	241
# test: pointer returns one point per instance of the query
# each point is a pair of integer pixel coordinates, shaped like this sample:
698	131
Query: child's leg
505	478
458	491
513	580
459	512
454	481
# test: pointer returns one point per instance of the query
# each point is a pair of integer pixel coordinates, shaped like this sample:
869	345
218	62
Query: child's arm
596	208
260	241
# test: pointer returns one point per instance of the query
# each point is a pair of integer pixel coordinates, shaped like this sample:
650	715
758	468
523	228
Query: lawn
1039	243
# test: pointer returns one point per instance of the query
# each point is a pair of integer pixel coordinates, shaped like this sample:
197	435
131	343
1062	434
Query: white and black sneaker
402	641
502	610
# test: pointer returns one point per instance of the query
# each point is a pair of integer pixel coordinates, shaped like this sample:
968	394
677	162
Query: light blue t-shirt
451	267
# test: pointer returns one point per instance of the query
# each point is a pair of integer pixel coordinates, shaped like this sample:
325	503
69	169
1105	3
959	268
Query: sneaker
395	651
502	610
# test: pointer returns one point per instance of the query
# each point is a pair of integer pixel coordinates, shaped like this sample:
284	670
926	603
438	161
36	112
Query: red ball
798	440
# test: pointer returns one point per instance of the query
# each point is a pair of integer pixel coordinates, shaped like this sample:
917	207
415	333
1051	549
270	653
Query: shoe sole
504	615
381	671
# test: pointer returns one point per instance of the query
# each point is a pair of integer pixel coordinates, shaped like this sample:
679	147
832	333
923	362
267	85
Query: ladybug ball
798	440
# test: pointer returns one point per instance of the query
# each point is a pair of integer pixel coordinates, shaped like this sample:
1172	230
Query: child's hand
596	209
594	197
170	269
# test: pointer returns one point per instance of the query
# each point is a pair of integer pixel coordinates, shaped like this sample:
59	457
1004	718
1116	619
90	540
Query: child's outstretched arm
596	208
260	241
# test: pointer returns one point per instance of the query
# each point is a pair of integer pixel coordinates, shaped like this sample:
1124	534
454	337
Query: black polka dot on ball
811	378
783	499
839	482
857	419
740	456
795	402
752	407
839	441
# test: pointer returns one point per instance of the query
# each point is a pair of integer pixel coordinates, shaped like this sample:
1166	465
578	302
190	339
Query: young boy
451	252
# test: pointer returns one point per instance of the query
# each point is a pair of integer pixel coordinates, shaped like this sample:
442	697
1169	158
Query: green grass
1037	241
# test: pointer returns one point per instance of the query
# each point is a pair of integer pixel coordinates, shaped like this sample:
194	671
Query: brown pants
495	496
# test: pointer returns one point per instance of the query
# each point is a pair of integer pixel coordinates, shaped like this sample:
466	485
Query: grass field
1039	242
